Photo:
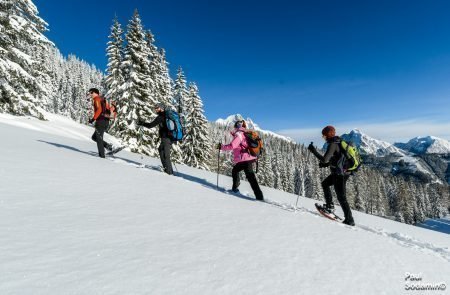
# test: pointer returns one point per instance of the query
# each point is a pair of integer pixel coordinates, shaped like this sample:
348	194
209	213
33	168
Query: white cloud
400	131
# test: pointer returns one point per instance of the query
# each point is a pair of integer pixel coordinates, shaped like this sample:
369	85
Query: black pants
164	154
251	177
339	182
100	128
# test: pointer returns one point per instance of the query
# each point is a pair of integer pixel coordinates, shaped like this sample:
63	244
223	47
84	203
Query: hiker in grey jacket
337	178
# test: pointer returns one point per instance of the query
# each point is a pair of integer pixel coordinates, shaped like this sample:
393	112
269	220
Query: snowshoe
115	150
327	213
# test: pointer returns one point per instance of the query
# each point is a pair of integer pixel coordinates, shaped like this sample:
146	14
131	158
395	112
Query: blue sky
292	66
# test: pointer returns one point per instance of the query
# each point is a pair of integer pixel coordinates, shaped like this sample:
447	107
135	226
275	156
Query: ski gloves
312	148
323	165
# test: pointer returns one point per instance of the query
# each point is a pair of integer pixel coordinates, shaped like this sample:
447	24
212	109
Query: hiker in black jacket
338	178
166	143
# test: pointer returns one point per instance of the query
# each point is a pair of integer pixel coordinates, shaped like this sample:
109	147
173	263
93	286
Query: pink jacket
238	145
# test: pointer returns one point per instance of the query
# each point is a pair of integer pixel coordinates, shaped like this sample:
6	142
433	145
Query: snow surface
72	223
229	122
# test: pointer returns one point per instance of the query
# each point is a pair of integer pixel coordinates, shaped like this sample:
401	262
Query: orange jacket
97	107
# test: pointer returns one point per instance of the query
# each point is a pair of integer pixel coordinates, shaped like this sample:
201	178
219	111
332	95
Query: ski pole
306	164
140	139
218	168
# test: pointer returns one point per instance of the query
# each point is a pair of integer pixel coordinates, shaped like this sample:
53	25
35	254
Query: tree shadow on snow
69	148
210	185
203	182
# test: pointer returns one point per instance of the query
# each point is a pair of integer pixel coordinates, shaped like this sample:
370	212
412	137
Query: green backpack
351	161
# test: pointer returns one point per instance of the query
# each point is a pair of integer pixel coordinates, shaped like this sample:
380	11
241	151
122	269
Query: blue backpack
173	123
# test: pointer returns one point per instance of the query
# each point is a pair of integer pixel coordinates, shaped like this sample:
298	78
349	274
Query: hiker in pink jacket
242	158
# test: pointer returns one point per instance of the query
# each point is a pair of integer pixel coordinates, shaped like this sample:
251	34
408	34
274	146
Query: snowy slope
73	223
229	121
426	145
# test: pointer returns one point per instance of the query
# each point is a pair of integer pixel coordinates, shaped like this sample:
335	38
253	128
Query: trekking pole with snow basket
306	165
140	139
218	168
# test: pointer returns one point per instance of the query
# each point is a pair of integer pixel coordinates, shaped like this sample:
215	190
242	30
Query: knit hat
93	90
329	132
160	105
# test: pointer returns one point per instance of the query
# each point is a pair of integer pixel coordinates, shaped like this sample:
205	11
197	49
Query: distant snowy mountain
392	158
229	121
226	122
372	146
426	145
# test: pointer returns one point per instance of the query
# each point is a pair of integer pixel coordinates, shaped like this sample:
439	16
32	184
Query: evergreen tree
197	143
181	94
164	82
137	102
114	77
21	32
277	173
265	173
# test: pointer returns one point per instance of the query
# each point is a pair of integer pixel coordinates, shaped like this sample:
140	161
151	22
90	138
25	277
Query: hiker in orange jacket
101	121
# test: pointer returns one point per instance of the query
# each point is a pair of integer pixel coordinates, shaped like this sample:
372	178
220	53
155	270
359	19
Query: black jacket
333	154
160	121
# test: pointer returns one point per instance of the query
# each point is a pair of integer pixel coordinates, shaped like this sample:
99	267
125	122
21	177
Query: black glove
219	146
323	165
91	121
312	148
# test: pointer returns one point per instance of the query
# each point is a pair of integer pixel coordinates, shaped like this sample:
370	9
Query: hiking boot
349	222
329	208
259	197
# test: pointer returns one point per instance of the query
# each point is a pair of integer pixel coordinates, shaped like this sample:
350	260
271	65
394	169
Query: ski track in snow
399	238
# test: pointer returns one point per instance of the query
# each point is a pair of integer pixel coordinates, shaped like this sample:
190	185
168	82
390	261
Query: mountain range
425	158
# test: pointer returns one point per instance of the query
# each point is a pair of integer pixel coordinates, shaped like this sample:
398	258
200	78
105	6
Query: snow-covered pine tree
137	101
180	94
45	75
164	84
159	72
152	52
197	143
55	65
21	31
114	76
379	199
298	181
